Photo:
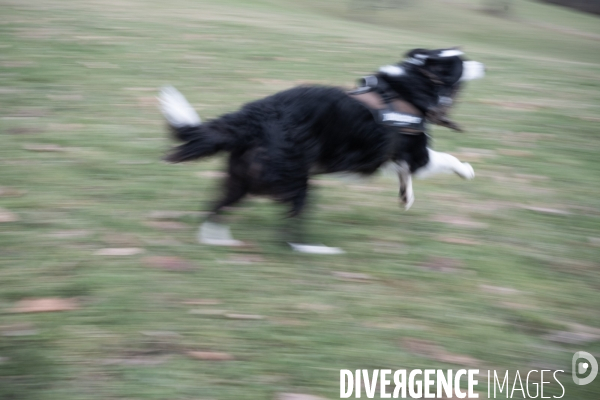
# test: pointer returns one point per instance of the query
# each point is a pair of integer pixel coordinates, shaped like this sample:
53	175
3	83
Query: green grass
82	76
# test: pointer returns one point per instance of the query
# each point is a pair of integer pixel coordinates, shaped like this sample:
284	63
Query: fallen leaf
66	127
202	302
244	316
499	290
168	214
7	216
289	322
458	221
210	355
572	337
592	119
245	259
317	307
168	241
421	347
70	233
9	90
168	262
136	360
98	65
473	154
119	251
403	324
44	147
513	105
50	304
458	359
120	239
17	64
20	329
516	306
580	328
147	101
532	177
458	240
23	131
435	352
442	264
29	113
515	153
161	334
11	192
206	312
389	246
547	210
594	241
65	97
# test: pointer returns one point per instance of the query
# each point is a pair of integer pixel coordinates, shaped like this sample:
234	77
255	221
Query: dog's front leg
440	163
407	196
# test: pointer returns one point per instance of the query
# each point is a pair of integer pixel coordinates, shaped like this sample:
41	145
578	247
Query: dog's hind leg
212	231
295	220
440	163
297	244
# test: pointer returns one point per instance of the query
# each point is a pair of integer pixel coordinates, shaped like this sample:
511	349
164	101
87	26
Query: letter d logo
582	367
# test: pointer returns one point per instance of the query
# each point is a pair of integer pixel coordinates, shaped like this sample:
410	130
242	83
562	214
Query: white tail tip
176	109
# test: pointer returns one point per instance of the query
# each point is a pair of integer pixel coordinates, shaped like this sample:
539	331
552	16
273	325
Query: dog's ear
422	56
414	52
446	53
418	56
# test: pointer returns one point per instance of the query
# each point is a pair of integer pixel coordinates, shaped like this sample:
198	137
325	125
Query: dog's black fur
276	143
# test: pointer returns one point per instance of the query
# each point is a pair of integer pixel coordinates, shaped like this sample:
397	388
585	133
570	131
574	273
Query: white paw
409	196
467	171
410	199
315	249
217	235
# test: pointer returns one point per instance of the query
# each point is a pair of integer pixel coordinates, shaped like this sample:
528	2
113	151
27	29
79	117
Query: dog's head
431	79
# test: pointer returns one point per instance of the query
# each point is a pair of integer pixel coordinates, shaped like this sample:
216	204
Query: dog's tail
186	126
179	113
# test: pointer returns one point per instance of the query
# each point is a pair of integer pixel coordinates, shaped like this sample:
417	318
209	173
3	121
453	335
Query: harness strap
390	111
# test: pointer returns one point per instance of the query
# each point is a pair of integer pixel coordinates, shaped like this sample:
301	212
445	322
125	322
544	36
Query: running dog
277	143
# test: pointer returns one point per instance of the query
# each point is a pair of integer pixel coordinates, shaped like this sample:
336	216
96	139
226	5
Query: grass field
499	273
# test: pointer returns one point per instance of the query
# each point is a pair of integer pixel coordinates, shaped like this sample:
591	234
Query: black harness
390	110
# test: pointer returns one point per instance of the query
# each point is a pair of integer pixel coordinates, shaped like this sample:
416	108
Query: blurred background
105	294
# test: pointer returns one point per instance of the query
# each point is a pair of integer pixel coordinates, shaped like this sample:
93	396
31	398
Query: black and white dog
277	143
